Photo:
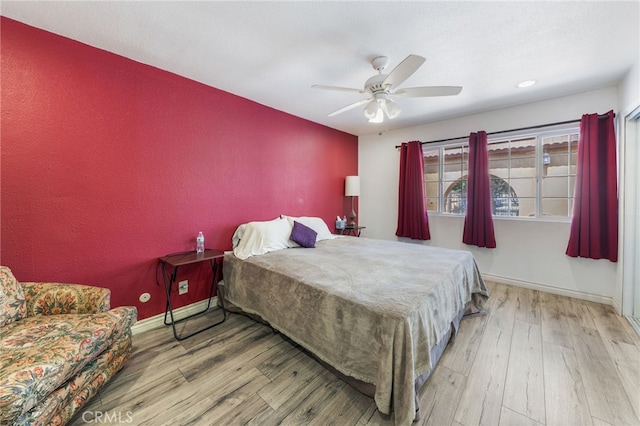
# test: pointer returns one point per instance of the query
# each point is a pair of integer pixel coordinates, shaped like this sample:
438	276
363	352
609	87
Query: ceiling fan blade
348	107
417	92
403	71
338	88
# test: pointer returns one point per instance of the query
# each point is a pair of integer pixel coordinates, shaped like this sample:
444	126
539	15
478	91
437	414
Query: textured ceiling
272	52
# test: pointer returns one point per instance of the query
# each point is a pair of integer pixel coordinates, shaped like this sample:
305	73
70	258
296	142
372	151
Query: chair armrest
59	298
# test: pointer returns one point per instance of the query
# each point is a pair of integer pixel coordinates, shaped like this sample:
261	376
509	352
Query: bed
379	313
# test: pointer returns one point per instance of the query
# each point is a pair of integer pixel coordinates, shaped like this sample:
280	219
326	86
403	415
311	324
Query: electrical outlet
183	287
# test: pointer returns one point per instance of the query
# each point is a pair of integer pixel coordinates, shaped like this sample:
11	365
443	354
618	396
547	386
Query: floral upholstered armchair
60	344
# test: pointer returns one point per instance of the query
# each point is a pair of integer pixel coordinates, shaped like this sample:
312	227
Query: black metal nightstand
187	258
352	230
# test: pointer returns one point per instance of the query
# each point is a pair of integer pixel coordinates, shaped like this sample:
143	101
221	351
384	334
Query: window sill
555	219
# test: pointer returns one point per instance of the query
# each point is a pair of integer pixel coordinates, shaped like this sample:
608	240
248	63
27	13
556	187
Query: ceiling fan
380	88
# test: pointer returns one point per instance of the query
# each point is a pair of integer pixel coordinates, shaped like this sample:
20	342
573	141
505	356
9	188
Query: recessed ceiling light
526	83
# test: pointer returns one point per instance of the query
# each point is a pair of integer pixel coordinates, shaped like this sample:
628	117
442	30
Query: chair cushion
59	407
41	353
13	306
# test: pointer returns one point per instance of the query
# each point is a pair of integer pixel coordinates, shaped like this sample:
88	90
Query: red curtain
594	225
478	222
412	213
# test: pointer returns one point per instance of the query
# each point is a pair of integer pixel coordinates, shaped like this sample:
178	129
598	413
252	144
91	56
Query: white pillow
262	237
315	223
237	236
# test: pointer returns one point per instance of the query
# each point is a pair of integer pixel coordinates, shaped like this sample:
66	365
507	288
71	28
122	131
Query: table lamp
352	189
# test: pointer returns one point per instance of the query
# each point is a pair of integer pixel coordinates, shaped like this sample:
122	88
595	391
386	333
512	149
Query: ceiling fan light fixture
371	110
378	118
381	87
391	109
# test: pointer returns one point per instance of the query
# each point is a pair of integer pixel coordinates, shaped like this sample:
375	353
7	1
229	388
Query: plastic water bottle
200	243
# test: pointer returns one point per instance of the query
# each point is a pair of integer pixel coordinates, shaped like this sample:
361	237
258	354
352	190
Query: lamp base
352	216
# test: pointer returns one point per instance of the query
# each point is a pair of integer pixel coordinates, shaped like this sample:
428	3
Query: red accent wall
108	164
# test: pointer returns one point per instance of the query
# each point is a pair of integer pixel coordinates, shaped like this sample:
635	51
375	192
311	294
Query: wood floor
534	359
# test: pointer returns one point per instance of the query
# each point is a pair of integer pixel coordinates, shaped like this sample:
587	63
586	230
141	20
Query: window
531	175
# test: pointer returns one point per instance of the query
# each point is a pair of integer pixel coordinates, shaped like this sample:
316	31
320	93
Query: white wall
629	89
529	253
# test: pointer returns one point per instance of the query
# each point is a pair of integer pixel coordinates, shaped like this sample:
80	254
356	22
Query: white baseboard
550	289
157	321
616	305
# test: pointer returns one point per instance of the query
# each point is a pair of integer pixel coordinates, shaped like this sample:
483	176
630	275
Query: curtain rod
513	130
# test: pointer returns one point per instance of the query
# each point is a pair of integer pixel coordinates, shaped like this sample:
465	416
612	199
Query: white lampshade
352	186
378	118
371	110
392	109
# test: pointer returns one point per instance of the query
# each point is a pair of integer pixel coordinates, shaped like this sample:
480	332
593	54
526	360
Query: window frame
539	135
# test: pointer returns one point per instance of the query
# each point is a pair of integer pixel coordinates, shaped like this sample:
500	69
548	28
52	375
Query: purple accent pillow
303	235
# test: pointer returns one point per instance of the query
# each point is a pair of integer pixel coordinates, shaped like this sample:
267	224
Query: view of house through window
531	176
504	198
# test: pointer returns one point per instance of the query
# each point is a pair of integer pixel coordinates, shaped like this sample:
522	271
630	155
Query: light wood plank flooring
534	359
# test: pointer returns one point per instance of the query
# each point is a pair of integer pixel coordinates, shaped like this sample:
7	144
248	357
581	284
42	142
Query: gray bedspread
372	309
